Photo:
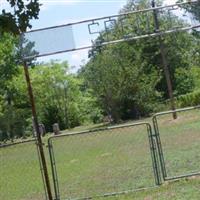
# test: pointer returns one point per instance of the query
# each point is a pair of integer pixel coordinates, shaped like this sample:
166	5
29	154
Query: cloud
78	56
169	2
77	59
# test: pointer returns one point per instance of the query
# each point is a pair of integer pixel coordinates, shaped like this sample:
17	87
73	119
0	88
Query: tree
8	60
18	20
193	8
127	78
12	23
121	86
8	69
60	97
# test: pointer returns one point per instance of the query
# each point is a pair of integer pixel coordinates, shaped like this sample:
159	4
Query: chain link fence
104	161
20	173
178	142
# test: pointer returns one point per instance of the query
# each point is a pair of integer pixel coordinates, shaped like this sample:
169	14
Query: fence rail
52	40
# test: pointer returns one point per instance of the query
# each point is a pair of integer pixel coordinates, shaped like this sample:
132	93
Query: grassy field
181	190
108	161
103	162
20	176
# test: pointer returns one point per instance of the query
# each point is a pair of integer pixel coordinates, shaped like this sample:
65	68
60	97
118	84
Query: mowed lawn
180	190
20	177
108	161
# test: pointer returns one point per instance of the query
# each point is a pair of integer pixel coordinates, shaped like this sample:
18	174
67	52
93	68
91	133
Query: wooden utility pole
38	134
164	62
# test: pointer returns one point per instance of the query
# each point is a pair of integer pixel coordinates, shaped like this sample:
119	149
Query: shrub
190	99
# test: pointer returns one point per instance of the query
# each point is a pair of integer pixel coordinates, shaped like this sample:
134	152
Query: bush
13	123
190	99
184	81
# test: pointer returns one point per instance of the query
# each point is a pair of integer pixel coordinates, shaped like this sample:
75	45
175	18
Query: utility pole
38	134
164	61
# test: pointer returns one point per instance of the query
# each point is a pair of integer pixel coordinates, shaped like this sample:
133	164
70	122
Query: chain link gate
178	161
104	162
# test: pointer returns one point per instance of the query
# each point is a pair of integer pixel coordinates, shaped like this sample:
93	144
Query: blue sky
63	12
57	12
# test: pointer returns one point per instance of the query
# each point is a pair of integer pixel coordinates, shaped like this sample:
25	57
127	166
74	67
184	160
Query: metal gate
179	152
103	162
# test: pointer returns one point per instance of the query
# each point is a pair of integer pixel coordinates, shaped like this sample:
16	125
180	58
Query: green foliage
58	96
13	123
128	78
121	81
184	81
123	88
178	55
10	117
8	53
195	71
190	99
19	20
194	9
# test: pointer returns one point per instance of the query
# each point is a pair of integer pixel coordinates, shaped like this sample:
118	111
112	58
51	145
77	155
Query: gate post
154	156
38	134
54	170
159	146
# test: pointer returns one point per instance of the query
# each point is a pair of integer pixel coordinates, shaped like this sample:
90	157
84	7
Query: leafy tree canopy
17	19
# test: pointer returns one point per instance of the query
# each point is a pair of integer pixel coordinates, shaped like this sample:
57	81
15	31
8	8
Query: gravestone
56	129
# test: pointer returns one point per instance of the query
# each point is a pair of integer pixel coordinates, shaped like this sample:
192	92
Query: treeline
119	82
128	78
59	95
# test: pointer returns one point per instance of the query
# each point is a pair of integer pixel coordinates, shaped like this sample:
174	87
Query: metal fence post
154	156
159	147
38	135
53	170
164	61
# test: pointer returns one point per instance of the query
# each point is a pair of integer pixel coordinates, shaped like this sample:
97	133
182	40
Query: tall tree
12	22
128	78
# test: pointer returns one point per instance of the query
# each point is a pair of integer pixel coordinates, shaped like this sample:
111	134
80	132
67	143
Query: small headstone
56	129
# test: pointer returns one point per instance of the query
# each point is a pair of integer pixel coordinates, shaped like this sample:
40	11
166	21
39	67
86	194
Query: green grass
20	176
180	141
181	190
108	161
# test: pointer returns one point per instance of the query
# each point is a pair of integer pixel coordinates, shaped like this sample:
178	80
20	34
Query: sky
68	11
57	12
